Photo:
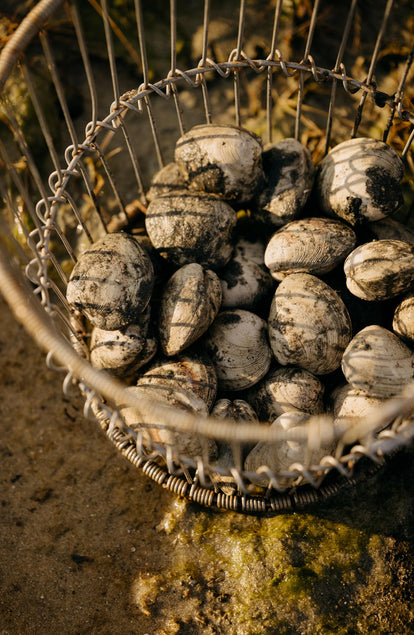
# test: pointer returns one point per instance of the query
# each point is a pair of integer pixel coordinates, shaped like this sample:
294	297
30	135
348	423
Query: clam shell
244	284
237	410
380	269
279	457
189	303
184	444
191	227
166	181
349	405
290	174
309	245
112	282
237	344
360	179
286	389
390	229
122	352
377	362
192	371
309	325
250	248
403	322
222	159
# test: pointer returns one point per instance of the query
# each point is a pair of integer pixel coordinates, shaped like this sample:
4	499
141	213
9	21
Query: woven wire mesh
102	123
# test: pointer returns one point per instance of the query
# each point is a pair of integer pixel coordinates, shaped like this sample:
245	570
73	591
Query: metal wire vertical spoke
240	31
86	63
134	159
59	89
304	61
372	65
337	67
399	94
111	54
269	99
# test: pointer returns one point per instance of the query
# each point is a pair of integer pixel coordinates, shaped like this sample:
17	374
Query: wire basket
86	123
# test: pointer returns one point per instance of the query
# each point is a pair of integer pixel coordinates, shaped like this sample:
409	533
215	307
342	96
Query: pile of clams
285	290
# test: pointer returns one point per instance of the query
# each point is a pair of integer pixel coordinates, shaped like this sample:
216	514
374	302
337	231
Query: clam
245	284
250	247
309	325
349	406
236	410
166	181
184	444
310	245
377	362
191	227
403	322
221	159
360	180
380	269
280	457
112	282
289	175
189	371
237	344
389	228
190	301
285	389
122	352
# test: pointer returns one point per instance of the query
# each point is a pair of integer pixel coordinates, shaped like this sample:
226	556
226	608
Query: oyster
380	269
191	227
190	301
389	228
377	362
237	344
112	282
290	174
221	159
360	180
310	245
309	325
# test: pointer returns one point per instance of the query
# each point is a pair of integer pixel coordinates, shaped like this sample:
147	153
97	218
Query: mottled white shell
279	457
360	179
238	346
190	301
112	282
244	284
380	269
122	352
191	227
183	443
285	389
221	159
166	181
403	322
350	405
309	325
377	362
310	245
192	371
290	174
